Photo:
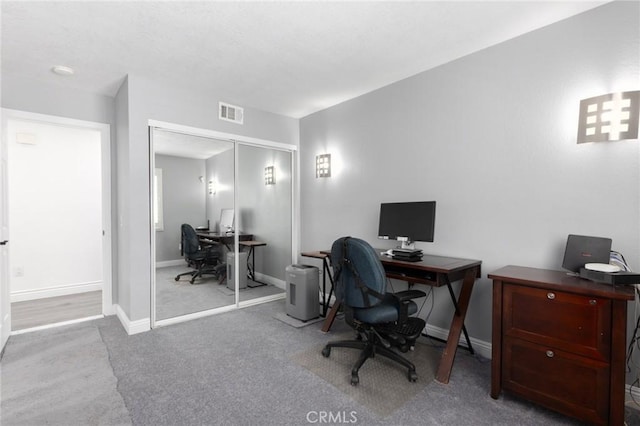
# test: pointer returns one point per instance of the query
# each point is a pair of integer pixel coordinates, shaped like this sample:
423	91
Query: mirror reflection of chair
205	260
380	319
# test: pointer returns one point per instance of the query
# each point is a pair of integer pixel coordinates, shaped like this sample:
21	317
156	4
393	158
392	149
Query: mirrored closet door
264	204
193	214
223	218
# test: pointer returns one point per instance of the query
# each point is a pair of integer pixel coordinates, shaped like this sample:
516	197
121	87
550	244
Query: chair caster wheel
192	281
355	380
177	278
413	376
326	351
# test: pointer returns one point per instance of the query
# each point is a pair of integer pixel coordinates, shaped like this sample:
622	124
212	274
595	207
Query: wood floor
35	313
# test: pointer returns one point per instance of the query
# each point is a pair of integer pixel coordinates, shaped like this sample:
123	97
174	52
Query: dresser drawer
571	384
566	321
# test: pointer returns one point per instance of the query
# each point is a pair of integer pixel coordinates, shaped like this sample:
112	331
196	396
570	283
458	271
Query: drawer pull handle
592	302
551	296
550	354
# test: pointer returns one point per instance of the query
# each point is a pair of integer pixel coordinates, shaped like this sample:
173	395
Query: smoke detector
63	70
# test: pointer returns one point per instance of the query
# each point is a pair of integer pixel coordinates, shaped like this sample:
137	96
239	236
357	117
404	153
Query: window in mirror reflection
157	199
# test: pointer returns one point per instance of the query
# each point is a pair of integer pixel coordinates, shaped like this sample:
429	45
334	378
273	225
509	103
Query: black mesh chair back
203	260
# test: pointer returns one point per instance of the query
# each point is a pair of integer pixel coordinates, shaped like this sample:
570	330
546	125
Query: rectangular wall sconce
610	117
269	176
323	165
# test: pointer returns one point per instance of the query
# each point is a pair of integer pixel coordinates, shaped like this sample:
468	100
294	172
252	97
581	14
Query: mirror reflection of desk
226	238
251	260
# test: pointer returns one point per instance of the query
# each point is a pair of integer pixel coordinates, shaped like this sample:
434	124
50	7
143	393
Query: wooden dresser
560	341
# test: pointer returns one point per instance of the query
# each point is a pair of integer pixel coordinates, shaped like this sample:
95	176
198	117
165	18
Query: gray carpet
60	377
384	386
229	369
293	322
175	298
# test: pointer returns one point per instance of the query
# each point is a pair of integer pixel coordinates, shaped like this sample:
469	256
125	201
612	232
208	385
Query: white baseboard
481	347
109	310
166	263
132	327
271	280
64	290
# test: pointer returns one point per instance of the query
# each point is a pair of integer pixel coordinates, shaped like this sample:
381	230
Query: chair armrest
402	299
403	296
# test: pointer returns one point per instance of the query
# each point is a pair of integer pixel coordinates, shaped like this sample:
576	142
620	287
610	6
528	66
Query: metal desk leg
251	267
251	262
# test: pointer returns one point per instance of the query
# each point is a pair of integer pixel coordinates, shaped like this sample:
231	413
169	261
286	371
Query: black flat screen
414	220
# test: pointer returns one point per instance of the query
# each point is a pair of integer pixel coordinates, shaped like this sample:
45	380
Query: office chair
204	261
380	319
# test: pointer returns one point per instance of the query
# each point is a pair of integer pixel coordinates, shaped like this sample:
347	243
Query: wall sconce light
269	176
323	165
611	117
212	187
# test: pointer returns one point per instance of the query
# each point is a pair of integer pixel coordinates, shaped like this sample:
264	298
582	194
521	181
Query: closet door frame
236	140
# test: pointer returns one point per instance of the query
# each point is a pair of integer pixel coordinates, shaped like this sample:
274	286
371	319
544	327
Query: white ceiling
177	144
291	58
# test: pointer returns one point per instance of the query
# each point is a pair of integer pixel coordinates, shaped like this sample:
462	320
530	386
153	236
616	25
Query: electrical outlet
18	271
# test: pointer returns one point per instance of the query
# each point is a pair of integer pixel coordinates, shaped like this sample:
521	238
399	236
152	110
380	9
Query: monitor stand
406	243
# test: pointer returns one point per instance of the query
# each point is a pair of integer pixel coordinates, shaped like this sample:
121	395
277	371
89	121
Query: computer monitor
226	220
407	222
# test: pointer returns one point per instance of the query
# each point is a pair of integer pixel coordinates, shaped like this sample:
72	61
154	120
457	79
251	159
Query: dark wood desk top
251	243
535	277
315	254
431	263
216	236
430	270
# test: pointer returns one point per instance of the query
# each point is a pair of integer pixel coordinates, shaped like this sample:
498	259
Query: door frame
108	308
236	140
5	302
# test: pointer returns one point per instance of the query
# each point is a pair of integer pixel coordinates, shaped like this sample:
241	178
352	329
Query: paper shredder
303	301
242	274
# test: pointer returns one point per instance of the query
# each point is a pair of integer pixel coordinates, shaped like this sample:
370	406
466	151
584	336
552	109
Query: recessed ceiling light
62	70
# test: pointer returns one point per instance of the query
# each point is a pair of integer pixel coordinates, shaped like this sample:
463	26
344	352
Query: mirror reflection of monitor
226	220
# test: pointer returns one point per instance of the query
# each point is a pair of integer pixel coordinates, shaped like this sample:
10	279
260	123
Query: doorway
59	209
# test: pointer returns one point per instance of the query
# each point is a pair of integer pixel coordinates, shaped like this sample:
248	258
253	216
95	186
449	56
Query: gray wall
220	167
492	138
123	298
183	201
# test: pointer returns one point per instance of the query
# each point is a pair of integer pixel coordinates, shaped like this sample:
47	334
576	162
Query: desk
436	271
224	238
251	260
326	272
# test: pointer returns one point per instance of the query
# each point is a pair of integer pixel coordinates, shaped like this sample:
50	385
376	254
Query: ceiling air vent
231	113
